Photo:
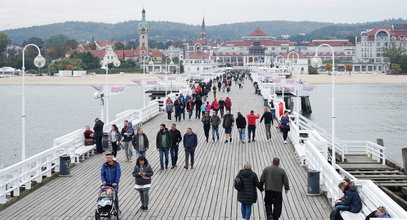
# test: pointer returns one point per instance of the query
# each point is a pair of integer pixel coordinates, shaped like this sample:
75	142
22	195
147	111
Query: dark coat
135	142
228	121
147	170
176	137
168	138
110	173
98	129
352	199
241	122
248	194
268	118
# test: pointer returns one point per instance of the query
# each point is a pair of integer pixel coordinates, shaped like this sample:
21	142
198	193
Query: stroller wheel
97	215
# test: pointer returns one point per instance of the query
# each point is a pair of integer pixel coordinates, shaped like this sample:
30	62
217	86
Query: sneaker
162	169
285	142
253	140
186	167
166	167
243	142
248	141
172	167
192	167
230	140
226	141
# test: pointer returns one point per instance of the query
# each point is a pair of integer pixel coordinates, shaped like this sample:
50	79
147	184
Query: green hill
163	31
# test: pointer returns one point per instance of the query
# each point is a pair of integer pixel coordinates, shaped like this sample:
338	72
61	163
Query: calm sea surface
364	112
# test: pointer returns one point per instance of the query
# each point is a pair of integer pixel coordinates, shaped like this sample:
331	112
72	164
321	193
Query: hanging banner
151	82
289	89
115	90
97	87
137	81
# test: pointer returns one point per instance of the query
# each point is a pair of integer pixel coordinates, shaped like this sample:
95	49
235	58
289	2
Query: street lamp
105	65
39	62
144	63
317	62
298	85
166	63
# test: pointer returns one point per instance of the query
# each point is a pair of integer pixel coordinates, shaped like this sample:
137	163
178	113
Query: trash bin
64	165
105	139
313	183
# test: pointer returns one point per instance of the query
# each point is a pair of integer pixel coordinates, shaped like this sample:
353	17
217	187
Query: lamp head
316	62
116	63
39	61
151	63
171	63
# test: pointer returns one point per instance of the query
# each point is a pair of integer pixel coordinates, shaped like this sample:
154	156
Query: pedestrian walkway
206	192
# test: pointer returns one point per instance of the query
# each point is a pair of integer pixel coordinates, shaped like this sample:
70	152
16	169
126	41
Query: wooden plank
203	193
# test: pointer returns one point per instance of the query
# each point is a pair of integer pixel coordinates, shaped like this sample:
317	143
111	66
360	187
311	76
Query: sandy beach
126	79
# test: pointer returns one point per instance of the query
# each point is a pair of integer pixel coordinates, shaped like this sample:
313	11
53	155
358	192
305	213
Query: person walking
251	128
203	109
178	105
176	140
198	103
228	104
143	173
268	122
228	122
241	126
274	179
215	122
163	143
208	107
214	91
206	121
221	107
127	134
215	105
140	143
98	135
110	175
248	194
169	108
285	125
113	139
190	107
190	144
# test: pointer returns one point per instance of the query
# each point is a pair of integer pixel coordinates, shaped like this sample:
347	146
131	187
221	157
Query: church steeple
143	28
203	30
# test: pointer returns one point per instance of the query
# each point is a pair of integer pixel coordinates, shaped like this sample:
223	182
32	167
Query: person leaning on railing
380	212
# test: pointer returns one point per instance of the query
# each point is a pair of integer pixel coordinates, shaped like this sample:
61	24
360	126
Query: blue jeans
246	211
140	153
164	153
338	210
177	115
215	130
242	133
174	155
190	113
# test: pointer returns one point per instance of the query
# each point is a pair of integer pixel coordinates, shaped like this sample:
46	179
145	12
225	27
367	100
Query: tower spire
203	31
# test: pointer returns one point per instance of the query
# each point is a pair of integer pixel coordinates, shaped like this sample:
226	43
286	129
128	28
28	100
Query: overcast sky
25	13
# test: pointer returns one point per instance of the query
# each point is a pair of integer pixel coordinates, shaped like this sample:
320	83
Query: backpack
238	183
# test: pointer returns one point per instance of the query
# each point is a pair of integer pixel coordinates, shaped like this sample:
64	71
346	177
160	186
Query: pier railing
24	173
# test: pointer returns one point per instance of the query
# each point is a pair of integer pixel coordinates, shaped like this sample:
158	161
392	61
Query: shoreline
126	79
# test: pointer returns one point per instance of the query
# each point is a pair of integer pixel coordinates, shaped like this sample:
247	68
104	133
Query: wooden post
381	143
404	153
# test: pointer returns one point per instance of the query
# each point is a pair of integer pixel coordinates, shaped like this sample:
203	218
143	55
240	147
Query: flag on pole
161	77
115	90
97	87
151	82
289	89
137	81
290	81
172	78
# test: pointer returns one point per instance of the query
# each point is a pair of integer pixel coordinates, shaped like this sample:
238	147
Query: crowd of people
214	114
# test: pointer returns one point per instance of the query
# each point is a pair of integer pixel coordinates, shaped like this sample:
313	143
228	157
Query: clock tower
143	29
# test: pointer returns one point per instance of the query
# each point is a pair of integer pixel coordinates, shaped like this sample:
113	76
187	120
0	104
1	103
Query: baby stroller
106	206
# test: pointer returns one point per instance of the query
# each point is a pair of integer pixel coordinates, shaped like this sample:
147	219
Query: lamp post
39	62
317	62
144	63
105	65
298	86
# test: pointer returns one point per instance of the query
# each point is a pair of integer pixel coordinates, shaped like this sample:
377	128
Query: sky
26	13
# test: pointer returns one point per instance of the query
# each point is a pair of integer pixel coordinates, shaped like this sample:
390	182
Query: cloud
18	13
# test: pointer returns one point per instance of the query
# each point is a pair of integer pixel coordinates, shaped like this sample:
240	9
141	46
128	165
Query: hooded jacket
168	138
248	194
215	121
129	130
240	122
352	199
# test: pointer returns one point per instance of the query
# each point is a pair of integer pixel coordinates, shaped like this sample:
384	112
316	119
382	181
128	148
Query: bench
84	151
371	199
300	152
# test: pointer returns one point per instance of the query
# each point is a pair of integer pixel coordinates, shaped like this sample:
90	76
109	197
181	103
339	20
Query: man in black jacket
268	121
198	103
176	139
179	106
241	126
98	134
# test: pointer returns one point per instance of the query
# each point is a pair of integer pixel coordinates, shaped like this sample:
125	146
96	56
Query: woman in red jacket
228	104
215	106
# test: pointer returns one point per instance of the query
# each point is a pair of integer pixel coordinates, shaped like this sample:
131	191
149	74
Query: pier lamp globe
151	63
39	61
116	63
316	62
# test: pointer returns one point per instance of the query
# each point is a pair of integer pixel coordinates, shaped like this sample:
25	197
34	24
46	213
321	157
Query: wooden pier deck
206	192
